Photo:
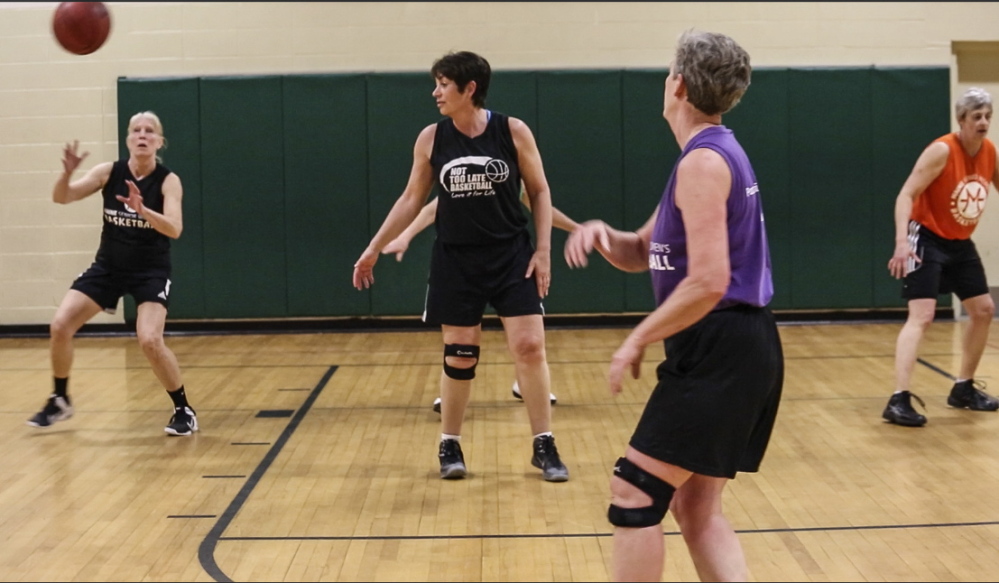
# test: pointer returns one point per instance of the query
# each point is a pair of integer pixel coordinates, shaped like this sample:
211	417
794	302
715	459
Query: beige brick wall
49	97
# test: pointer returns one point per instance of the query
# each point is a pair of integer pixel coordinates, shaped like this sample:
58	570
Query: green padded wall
299	171
579	134
246	260
830	202
177	103
325	186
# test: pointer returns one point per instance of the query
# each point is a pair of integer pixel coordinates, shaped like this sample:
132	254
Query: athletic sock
61	386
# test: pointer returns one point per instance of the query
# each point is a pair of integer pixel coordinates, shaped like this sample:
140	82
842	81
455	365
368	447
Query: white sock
548	433
446	436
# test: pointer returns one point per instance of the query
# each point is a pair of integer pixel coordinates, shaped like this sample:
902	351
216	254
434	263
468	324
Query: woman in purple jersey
142	213
712	412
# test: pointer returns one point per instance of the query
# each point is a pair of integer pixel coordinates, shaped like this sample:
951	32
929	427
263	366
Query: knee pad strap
660	492
464	351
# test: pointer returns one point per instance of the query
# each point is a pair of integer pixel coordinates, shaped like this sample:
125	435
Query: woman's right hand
70	159
900	260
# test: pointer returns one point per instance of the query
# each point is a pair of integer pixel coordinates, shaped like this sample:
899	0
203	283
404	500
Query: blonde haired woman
142	213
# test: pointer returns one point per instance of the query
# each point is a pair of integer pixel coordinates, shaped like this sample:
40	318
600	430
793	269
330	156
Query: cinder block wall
49	97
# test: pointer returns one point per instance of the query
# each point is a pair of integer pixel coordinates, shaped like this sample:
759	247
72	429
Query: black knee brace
660	491
463	350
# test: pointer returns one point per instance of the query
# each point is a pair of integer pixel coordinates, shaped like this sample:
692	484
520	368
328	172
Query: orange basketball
81	27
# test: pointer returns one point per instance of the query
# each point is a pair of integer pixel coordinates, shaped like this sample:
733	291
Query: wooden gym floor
317	461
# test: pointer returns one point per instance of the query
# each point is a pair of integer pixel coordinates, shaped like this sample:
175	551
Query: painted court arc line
206	551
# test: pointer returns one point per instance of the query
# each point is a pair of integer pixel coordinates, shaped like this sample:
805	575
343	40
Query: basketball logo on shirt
968	201
473	176
497	170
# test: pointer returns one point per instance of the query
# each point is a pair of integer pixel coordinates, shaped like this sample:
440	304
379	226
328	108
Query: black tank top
478	184
129	242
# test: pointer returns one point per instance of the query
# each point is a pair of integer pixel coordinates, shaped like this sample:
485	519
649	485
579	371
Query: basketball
81	27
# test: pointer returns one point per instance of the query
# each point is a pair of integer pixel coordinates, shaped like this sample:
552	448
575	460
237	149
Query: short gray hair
715	68
973	99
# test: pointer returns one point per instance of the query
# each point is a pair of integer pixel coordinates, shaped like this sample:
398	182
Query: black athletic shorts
947	266
465	278
719	388
106	286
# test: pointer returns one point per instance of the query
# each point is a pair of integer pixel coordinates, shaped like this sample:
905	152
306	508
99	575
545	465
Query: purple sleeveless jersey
749	253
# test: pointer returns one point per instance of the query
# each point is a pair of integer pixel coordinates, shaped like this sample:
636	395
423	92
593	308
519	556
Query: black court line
206	551
604	534
936	369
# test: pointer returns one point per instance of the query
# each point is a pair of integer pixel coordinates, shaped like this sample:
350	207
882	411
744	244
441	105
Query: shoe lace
449	448
545	446
916	397
50	406
978	386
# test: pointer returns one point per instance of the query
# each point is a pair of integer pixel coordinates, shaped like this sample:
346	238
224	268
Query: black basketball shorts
106	286
947	266
464	279
714	407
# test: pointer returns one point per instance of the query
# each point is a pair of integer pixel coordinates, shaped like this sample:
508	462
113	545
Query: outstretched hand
583	239
134	199
70	159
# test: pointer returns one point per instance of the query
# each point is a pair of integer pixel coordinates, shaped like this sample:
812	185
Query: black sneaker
969	395
437	405
516	393
899	410
452	461
55	409
546	459
183	422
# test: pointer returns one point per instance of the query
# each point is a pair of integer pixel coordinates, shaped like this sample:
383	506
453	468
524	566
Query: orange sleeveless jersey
952	204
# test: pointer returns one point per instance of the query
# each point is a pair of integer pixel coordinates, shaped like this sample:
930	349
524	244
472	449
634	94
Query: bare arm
560	220
627	251
403	212
703	184
928	166
65	191
532	172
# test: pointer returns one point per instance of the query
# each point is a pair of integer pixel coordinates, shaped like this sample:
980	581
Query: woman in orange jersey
936	212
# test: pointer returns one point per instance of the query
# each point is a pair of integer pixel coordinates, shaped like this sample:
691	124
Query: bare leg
640	553
75	310
920	317
981	309
711	541
525	337
149	324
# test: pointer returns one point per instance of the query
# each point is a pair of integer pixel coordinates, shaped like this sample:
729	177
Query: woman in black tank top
483	254
141	214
